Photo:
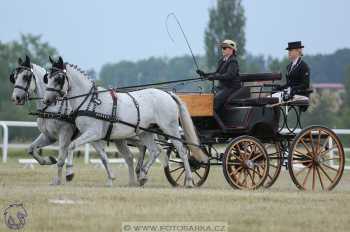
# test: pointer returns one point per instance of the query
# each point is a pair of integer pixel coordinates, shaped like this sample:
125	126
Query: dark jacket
298	78
227	73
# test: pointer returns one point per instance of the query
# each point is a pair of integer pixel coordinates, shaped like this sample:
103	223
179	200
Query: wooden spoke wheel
316	159
245	163
175	171
275	163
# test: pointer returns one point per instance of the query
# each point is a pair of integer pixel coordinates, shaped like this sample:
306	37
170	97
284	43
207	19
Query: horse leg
142	153
69	166
41	141
148	140
65	140
129	159
62	155
173	129
99	147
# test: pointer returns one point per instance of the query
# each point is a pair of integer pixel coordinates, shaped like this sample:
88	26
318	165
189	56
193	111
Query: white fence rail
5	137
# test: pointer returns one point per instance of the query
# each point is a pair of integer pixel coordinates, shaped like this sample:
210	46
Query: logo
15	216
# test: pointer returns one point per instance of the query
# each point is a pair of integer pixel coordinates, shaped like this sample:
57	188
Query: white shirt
295	61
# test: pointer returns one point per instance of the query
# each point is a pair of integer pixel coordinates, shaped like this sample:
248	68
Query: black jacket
298	78
227	73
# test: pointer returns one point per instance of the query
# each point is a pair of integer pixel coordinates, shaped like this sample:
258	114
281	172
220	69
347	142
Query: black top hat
294	45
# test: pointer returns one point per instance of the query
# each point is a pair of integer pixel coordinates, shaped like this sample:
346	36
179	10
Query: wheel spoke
319	177
176	161
326	174
237	156
233	173
327	166
319	141
250	176
301	161
177	179
300	154
303	169
306	177
256	157
312	142
200	177
307	148
257	173
333	158
313	177
174	170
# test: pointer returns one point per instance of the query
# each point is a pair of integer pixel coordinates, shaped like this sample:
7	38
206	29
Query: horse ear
51	60
19	61
12	78
60	60
27	61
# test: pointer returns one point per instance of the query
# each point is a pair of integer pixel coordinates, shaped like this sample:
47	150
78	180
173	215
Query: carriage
260	136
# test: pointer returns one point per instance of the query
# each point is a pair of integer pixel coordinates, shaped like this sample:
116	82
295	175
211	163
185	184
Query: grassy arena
98	208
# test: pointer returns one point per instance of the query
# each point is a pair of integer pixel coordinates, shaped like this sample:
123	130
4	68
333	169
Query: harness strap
109	118
113	116
138	112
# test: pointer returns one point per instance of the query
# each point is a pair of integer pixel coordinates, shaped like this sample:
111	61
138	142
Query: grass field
99	208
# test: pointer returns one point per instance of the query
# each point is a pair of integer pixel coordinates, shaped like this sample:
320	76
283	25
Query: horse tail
189	130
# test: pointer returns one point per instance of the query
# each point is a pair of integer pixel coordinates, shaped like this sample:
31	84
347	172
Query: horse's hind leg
129	159
148	140
99	147
41	141
173	129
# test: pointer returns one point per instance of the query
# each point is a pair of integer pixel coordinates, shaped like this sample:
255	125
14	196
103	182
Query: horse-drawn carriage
259	139
255	128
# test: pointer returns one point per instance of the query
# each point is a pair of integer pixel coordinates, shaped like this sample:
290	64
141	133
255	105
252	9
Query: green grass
281	208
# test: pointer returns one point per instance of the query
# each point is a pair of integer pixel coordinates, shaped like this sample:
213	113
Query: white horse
28	81
156	107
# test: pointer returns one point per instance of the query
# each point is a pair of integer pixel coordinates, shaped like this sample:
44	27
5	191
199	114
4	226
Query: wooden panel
199	105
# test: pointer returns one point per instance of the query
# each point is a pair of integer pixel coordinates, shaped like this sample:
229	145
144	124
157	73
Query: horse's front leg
41	141
64	141
99	147
129	159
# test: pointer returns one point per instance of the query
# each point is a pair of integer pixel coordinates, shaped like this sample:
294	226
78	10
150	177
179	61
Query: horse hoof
109	183
69	177
53	160
142	181
56	181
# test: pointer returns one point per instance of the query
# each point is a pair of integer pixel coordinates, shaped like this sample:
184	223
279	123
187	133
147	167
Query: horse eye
26	78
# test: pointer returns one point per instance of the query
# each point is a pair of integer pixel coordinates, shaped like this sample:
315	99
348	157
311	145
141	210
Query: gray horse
156	107
28	81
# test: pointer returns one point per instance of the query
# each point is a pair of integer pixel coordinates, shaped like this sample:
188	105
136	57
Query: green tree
226	21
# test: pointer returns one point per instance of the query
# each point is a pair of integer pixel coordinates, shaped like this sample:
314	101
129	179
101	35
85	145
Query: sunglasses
224	48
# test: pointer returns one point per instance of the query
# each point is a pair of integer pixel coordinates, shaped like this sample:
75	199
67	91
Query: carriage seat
260	101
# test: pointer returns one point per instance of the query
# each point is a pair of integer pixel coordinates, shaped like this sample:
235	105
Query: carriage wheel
245	163
316	159
175	171
275	163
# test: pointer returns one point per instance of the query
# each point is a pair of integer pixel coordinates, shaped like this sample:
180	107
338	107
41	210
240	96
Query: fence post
5	142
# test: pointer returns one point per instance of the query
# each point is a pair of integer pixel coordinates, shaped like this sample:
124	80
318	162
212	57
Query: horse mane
78	69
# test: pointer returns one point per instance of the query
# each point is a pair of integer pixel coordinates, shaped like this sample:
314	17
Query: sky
91	33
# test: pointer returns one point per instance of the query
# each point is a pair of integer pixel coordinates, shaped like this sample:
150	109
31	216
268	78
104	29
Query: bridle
29	81
55	71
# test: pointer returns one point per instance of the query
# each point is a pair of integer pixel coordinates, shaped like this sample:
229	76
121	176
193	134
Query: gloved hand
200	73
211	77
